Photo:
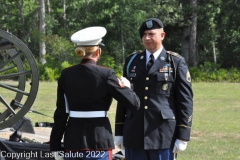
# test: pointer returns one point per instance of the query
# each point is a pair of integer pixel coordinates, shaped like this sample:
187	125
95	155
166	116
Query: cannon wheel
19	78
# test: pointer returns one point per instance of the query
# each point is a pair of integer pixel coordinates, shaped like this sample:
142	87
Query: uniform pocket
164	86
167	114
133	76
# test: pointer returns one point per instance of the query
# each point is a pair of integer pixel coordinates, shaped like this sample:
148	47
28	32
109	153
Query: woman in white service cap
84	95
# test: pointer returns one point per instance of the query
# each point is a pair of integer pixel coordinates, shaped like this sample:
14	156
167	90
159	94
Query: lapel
141	62
159	62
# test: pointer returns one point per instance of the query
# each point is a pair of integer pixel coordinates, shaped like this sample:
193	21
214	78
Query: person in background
160	78
84	95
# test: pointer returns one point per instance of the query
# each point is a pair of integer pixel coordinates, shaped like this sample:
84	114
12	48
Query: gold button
147	78
145	97
131	78
146	107
146	88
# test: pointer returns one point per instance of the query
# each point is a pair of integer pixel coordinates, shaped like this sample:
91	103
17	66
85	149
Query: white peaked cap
90	36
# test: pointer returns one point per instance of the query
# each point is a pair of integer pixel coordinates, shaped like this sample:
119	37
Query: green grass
215	131
45	102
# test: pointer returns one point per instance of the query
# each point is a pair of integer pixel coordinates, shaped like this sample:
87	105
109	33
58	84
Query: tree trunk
122	43
64	12
48	6
42	25
21	32
192	62
185	43
214	52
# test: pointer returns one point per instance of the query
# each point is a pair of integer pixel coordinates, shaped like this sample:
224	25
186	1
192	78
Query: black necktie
150	62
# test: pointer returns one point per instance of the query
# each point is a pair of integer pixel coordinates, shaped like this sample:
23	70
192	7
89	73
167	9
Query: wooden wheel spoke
10	85
13	89
10	60
15	74
7	105
7	68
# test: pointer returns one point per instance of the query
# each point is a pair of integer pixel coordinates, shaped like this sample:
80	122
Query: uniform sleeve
120	111
60	120
121	93
119	119
184	100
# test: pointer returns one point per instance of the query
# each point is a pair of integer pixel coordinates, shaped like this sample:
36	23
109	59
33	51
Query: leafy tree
217	27
228	27
207	30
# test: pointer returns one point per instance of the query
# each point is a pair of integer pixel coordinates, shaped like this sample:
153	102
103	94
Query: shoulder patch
174	54
138	52
188	77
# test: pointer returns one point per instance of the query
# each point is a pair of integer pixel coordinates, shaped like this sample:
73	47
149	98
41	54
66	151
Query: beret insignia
149	24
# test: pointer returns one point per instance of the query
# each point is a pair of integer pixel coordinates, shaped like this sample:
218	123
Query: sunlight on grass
215	131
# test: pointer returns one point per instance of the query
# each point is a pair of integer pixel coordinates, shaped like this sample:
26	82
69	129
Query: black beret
149	24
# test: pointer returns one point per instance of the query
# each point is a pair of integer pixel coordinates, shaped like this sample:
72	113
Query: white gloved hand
125	81
179	146
119	142
57	155
123	152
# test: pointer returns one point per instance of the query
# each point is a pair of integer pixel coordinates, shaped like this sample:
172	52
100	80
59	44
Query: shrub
50	74
51	71
211	72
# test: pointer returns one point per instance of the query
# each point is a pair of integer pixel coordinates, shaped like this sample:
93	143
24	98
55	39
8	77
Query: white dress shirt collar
155	54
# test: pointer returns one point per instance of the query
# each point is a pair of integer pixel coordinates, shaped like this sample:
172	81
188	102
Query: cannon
19	79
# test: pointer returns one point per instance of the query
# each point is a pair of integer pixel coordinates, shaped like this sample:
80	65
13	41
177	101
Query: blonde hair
85	51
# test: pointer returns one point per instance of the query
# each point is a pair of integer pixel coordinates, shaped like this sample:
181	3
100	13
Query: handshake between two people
179	145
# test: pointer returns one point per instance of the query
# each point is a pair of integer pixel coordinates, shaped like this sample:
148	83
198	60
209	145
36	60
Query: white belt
87	114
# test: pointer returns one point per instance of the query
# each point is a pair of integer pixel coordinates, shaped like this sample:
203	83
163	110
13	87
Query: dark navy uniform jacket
88	87
166	103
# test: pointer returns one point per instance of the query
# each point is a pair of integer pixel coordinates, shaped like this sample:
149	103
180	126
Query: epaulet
174	54
138	52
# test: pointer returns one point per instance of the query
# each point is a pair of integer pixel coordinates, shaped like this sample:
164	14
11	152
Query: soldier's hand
57	156
119	142
179	146
125	81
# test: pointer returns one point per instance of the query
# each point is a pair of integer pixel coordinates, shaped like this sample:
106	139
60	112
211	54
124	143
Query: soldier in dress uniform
84	94
160	78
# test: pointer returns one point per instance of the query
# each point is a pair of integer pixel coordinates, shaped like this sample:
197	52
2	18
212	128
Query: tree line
201	31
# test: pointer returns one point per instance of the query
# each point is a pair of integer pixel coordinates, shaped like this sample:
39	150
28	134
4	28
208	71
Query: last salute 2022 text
40	154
